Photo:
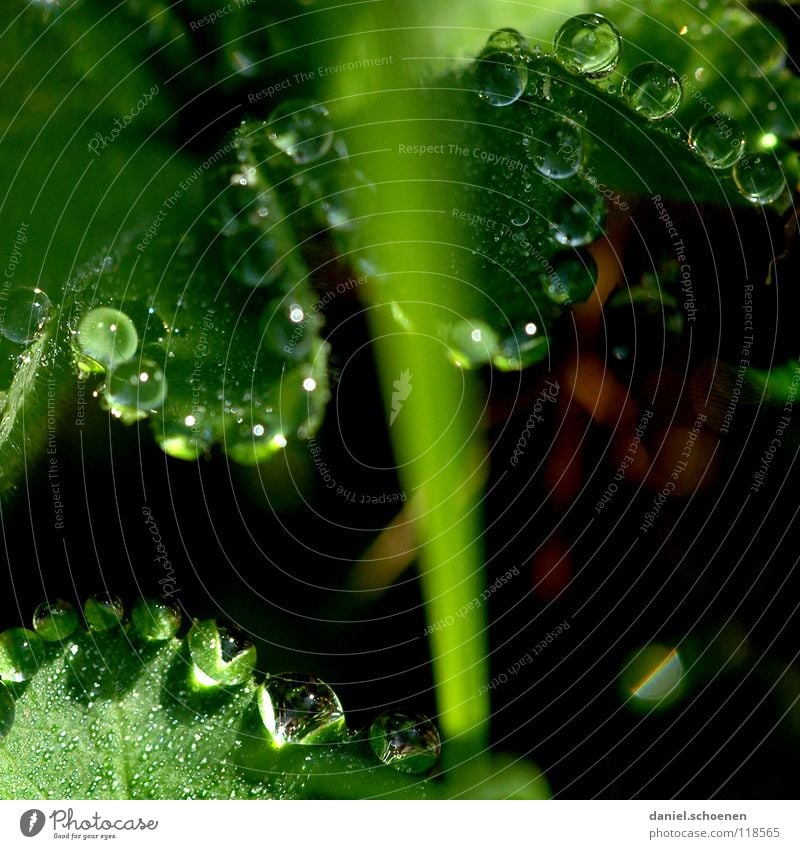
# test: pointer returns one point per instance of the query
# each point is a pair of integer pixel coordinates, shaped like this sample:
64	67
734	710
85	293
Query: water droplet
557	149
653	677
521	216
289	328
653	90
572	280
298	708
406	742
301	129
103	611
156	620
526	345
107	336
222	653
472	343
7	710
507	40
25	313
588	45
759	178
500	78
718	139
343	197
21	654
578	220
137	385
55	621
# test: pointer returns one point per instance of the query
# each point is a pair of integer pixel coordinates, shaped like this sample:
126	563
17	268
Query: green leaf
109	716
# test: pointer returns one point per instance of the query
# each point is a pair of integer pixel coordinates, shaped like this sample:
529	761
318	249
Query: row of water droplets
590	46
295	708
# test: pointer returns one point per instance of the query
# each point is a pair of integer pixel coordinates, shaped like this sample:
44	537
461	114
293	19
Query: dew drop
572	280
759	178
500	78
526	345
103	611
156	620
299	708
578	220
507	40
653	90
588	45
21	654
301	129
557	150
25	313
222	653
55	621
521	216
7	710
472	343
107	336
718	139
406	742
137	385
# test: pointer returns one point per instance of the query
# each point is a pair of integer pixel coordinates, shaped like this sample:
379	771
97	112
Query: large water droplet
222	654
55	621
21	654
298	708
107	336
578	220
7	710
407	742
500	78
472	342
557	149
103	611
572	279
653	90
137	385
588	45
155	620
526	345
759	178
507	40
520	216
301	129
288	327
24	314
718	139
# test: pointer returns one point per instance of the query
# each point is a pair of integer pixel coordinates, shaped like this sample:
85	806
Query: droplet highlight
137	385
103	611
21	654
55	621
155	620
26	311
299	708
406	742
653	90
500	78
222	654
719	140
759	178
107	336
588	45
302	130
